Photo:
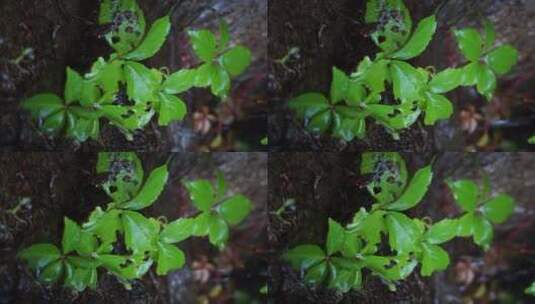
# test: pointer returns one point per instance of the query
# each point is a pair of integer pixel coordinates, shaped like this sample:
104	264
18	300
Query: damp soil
65	33
54	185
328	185
330	33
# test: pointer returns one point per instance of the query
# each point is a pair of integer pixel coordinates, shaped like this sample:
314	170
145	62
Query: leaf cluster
127	93
388	243
393	92
125	242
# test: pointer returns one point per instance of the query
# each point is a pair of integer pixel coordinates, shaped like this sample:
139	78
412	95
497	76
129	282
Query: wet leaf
180	81
236	60
335	237
235	209
150	190
419	40
153	41
502	59
177	230
308	105
469	42
499	208
415	191
466	193
442	231
204	44
39	255
139	232
169	258
317	273
52	272
434	259
304	256
73	86
171	109
71	235
201	194
320	122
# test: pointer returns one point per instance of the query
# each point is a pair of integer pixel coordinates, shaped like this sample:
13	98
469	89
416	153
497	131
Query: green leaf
483	232
486	81
73	86
304	256
177	230
80	129
531	140
52	272
352	245
201	194
110	75
402	232
531	289
235	209
221	185
420	39
434	259
490	33
349	128
219	82
470	74
218	231
104	225
407	81
499	208
201	224
339	85
391	170
502	59
344	279
224	34
442	231
71	235
469	42
128	31
355	93
43	105
446	80
372	227
150	191
141	82
153	41
87	243
203	75
180	81
373	74
83	277
393	31
466	193
437	107
39	255
171	109
204	44
316	274
169	258
320	122
54	123
125	174
236	60
308	105
415	191
335	237
139	232
466	225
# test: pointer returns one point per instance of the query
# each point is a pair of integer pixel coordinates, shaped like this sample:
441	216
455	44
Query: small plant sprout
125	92
410	242
123	241
391	91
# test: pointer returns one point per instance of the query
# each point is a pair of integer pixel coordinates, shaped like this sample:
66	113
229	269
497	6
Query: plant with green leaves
410	242
531	140
123	241
127	93
414	90
531	289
